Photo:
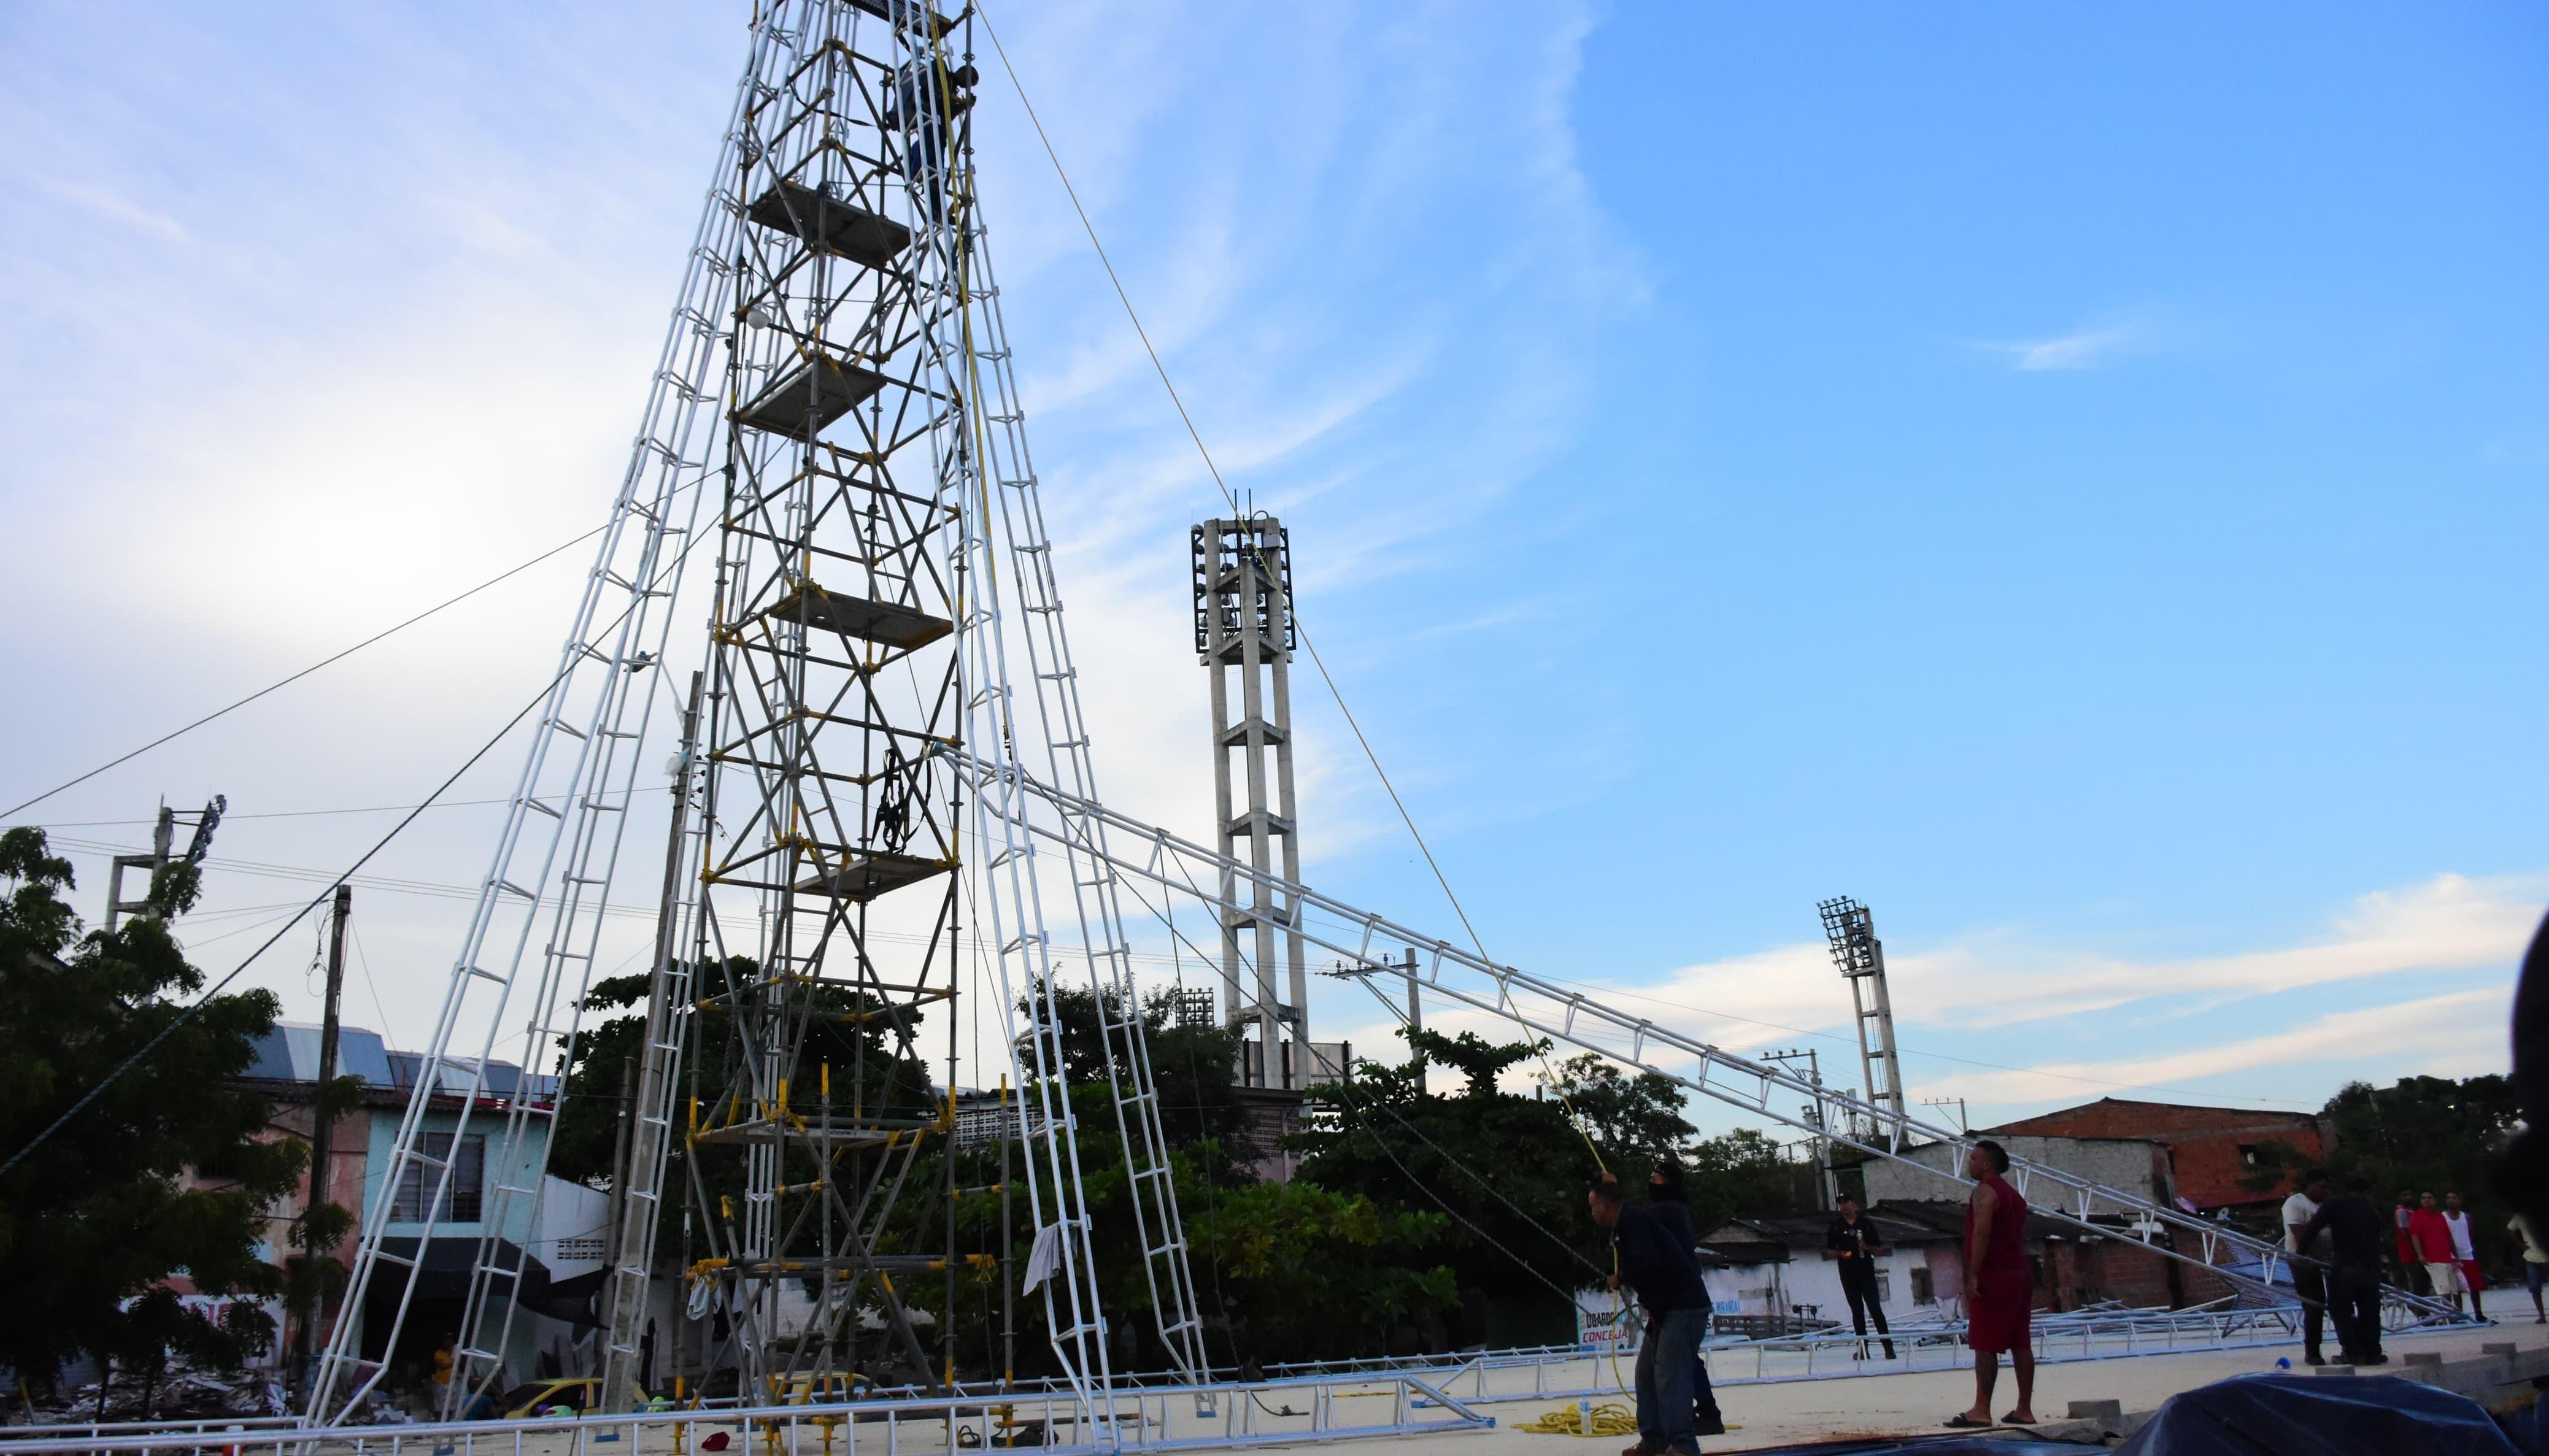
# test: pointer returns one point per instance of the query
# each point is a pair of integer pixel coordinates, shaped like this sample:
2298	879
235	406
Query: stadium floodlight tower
1859	957
849	834
1242	609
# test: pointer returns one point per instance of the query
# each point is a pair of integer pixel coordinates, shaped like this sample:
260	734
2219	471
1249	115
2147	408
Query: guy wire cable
1490	1239
195	1008
1370	754
306	671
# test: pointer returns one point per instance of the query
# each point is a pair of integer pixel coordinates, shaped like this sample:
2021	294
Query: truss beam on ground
1057	1423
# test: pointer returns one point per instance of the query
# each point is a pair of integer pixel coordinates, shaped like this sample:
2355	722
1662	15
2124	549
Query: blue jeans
1668	1366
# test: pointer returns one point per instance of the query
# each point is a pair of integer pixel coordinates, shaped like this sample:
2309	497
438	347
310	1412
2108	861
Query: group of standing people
1657	1251
2336	1246
2436	1255
2335	1240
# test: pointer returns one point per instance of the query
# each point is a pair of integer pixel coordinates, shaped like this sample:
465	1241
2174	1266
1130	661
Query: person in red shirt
2000	1288
2412	1270
2433	1238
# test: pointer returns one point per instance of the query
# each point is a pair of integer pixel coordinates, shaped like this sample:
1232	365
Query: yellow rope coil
1611	1419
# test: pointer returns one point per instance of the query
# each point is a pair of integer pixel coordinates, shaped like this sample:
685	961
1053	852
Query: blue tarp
2253	1415
1944	1444
2306	1415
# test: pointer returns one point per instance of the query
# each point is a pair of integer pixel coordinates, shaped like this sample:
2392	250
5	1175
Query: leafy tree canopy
165	1171
2429	1134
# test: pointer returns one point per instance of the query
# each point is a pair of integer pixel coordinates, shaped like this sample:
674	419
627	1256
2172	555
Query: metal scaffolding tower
1243	625
850	796
1859	957
857	824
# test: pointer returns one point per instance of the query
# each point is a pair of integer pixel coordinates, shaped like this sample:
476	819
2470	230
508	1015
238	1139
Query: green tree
2430	1134
165	1171
1744	1172
1636	1120
1305	1272
1508	1171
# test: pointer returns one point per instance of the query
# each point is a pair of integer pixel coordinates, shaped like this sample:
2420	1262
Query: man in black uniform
2356	1231
1856	1242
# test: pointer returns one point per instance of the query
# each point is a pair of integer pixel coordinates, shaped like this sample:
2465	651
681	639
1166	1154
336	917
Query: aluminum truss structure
528	953
1561	1013
1243	616
877	505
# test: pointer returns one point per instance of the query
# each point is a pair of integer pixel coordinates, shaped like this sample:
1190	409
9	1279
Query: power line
1427	1189
195	1008
229	818
303	673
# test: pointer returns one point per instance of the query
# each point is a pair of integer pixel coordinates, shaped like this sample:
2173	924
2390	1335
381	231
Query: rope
1583	1419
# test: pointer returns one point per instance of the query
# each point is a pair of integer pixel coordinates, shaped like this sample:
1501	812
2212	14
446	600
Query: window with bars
468	1181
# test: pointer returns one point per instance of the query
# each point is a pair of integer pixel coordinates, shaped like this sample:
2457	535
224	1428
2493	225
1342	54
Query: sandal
2012	1420
1962	1421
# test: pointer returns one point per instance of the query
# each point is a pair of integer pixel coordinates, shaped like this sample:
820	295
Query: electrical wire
197	1007
228	817
1427	1189
1492	1191
1610	1419
305	672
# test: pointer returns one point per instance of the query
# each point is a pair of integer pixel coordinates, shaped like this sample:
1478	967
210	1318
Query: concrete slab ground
1766	1415
1781	1413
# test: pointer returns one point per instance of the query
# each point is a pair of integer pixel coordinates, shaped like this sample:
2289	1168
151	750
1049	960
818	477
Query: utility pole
646	1118
1957	1103
163	843
1415	1018
1827	1185
322	1122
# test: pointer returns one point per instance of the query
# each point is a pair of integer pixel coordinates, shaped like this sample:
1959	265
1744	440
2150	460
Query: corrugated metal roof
290	1054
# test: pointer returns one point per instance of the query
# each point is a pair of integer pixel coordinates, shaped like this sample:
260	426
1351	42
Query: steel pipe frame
1171	861
1166	1418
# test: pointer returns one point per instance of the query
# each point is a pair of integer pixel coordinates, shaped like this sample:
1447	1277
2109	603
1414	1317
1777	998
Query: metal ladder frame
1095	893
590	703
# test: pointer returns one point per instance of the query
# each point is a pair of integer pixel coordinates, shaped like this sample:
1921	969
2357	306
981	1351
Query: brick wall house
2212	1151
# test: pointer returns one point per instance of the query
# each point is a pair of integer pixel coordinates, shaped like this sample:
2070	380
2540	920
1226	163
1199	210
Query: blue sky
2066	478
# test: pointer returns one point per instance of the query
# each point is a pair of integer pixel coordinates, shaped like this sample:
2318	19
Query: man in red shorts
1999	1289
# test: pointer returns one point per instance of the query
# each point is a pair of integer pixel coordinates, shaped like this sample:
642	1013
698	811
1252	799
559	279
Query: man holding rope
1666	1277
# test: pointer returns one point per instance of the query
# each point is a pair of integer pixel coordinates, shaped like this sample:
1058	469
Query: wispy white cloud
1996	979
2450	923
2458	1033
2085	349
107	205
